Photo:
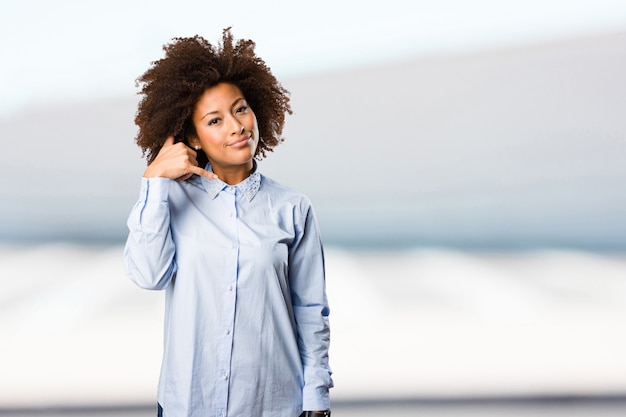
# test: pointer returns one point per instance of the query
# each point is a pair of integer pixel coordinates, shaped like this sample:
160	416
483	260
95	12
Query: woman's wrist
325	413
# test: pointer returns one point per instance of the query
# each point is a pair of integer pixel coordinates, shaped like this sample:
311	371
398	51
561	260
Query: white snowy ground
413	323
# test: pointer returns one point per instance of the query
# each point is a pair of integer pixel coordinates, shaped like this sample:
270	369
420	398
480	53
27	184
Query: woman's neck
235	174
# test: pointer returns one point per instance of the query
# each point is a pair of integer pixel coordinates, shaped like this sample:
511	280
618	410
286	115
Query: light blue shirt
246	314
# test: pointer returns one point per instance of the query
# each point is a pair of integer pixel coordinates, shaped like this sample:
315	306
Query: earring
196	147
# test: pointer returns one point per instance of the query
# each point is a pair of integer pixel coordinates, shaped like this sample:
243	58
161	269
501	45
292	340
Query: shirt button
227	332
225	377
230	288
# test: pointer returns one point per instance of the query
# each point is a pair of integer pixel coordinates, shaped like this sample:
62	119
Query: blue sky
74	50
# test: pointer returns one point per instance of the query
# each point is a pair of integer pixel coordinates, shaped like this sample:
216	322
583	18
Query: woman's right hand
176	161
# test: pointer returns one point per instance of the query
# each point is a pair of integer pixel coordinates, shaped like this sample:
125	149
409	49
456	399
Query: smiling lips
241	142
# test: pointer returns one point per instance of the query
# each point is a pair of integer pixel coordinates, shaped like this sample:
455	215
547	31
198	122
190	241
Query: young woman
239	256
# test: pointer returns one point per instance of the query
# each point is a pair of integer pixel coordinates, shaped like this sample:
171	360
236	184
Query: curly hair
172	86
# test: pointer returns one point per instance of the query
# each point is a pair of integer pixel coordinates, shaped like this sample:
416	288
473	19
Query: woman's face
227	128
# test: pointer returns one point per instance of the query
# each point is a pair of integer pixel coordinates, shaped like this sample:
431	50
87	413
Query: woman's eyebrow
232	105
237	101
211	112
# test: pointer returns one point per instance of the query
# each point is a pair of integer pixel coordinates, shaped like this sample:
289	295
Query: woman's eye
241	109
214	121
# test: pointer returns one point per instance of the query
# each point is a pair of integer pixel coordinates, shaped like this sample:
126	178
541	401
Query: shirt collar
248	187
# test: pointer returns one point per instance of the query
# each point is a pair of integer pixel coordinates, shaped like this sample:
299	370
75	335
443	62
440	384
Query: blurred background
465	160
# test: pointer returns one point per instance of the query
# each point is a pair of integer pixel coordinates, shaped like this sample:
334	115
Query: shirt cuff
154	189
315	394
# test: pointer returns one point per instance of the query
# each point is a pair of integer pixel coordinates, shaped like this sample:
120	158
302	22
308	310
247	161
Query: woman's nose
238	127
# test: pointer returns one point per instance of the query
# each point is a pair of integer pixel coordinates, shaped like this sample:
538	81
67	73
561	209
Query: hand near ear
175	161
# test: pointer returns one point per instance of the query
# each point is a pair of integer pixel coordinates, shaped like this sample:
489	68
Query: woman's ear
194	142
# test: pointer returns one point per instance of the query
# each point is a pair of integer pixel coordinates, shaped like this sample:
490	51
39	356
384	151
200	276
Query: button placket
229	297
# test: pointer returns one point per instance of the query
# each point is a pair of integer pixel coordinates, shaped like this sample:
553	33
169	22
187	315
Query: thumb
169	141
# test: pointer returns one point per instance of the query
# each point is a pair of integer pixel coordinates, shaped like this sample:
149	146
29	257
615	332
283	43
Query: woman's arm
308	289
149	251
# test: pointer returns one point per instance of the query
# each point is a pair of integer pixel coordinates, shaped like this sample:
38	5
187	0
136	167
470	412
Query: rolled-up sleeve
311	310
149	251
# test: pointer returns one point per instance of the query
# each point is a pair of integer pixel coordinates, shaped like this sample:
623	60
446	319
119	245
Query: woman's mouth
241	142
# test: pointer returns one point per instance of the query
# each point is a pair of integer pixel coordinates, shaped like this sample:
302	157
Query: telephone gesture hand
176	161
